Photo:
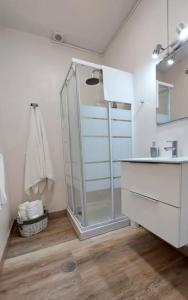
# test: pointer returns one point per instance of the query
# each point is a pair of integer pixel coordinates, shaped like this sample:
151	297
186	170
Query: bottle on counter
154	151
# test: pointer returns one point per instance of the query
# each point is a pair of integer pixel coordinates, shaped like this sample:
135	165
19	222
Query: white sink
169	160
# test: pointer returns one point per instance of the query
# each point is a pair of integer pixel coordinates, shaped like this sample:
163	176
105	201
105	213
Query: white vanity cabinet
155	195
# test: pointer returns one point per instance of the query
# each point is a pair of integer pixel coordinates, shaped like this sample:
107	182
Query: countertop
164	160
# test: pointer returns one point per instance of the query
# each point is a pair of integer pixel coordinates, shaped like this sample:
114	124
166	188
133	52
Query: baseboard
57	214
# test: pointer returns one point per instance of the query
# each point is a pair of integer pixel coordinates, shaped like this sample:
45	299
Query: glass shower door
75	147
66	148
96	149
96	158
121	132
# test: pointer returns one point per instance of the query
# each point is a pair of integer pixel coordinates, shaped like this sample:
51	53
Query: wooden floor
124	264
59	231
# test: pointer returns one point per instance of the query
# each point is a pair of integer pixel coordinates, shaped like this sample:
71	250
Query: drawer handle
145	197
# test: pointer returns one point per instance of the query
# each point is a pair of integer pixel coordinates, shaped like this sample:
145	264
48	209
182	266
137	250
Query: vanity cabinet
155	195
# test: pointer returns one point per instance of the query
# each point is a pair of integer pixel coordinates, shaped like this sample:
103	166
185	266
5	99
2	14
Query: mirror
172	88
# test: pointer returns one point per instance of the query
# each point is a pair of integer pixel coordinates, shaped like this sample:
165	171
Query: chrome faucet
173	148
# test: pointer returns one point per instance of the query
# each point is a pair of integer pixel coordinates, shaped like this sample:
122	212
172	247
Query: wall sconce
170	60
182	31
157	51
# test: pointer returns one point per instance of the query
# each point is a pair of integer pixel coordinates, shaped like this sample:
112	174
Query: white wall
33	70
5	214
5	225
131	50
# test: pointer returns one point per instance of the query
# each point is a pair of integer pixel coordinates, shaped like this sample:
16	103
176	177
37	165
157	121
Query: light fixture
170	60
182	31
156	51
171	48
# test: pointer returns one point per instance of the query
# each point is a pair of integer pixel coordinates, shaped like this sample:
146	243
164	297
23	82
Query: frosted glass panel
116	169
67	151
117	197
95	149
94	127
76	170
94	112
99	206
121	148
97	185
66	148
68	181
65	122
121	114
75	145
117	183
121	128
101	170
98	127
68	169
97	170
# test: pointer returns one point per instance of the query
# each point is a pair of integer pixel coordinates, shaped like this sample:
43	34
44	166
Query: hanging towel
38	166
3	196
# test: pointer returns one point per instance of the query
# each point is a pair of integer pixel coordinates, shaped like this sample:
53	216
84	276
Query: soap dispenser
154	151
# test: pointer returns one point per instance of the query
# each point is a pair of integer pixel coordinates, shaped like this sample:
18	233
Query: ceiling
89	24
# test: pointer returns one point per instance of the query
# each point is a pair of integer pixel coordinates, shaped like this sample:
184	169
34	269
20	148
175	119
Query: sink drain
69	266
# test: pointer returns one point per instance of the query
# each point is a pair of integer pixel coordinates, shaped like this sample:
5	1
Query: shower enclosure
96	136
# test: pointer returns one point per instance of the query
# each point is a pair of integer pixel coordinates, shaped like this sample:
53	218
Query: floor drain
69	266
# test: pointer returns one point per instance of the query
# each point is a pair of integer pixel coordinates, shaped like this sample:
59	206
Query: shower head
94	80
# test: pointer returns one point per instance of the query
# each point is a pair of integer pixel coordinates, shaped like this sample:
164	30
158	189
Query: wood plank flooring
124	264
59	231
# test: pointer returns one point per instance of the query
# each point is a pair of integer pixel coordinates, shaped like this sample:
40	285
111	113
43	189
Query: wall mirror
172	88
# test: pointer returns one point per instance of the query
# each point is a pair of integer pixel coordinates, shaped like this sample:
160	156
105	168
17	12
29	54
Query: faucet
173	148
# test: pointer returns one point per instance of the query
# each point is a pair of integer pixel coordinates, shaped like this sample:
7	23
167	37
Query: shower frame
84	230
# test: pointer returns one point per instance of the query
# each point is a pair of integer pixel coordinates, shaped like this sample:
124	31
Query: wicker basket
34	226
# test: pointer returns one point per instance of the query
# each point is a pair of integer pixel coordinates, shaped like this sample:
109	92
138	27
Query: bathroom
127	263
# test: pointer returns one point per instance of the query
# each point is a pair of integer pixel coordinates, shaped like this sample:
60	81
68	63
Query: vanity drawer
161	219
158	181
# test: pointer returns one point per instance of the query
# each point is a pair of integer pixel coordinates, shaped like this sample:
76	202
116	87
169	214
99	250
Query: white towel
3	196
38	166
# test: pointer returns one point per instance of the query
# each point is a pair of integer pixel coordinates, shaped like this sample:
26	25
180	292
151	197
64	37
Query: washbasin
175	160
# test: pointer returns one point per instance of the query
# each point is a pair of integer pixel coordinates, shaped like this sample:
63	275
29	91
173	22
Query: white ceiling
88	24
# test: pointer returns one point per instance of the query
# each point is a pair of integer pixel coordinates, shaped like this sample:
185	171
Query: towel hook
34	105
